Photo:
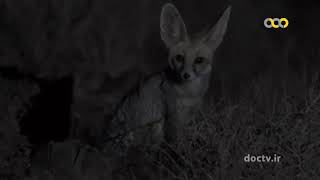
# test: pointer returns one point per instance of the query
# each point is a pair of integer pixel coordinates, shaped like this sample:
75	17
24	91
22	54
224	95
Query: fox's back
140	116
145	102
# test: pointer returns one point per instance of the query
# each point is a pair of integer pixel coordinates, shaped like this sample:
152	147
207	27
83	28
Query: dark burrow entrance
48	119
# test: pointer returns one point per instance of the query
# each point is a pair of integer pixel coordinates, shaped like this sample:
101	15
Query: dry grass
214	146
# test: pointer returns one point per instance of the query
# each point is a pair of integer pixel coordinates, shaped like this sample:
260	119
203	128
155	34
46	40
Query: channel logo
276	23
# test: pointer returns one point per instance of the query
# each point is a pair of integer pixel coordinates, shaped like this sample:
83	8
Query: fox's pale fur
166	101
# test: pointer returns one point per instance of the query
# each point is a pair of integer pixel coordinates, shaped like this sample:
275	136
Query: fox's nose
186	76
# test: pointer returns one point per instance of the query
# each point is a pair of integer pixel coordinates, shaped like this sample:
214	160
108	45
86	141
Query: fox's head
190	58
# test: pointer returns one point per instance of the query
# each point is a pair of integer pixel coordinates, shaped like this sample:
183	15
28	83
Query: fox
166	101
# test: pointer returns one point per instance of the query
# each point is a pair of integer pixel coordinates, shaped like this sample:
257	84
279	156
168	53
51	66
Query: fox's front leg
180	116
170	130
173	127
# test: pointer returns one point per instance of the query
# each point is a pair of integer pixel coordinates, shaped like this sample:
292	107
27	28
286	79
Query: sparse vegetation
215	145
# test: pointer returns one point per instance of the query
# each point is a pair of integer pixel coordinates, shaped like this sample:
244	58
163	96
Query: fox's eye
179	58
199	60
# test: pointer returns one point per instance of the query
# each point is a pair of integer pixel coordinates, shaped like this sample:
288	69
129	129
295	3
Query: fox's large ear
215	36
172	27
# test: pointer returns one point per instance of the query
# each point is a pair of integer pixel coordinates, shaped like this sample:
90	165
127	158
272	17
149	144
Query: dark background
51	44
54	38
